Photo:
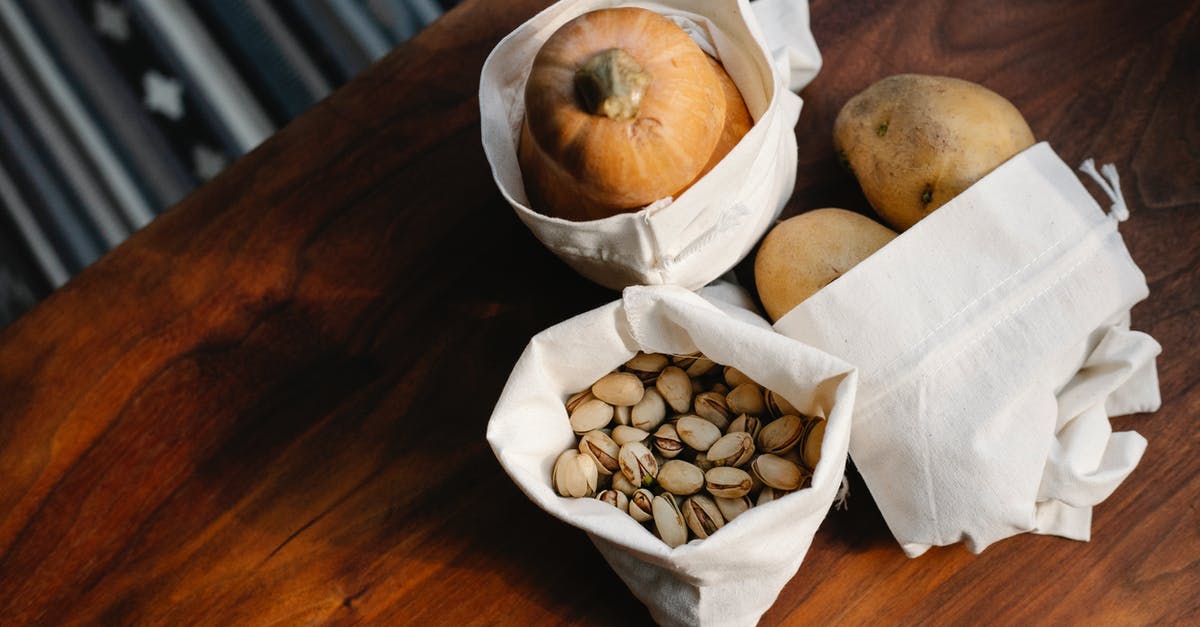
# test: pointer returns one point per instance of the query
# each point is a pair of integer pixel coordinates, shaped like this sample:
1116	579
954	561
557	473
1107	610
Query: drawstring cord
1110	182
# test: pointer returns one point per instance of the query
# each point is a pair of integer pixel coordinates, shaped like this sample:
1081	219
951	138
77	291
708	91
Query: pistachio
732	449
619	388
686	361
781	435
702	516
675	387
641	505
578	398
778	406
646	366
795	456
697	366
668	520
623	414
732	508
711	456
622	484
649	412
728	482
746	424
614	498
623	435
667	442
680	478
591	415
769	494
602	449
697	432
812	442
734	377
637	464
711	407
574	474
777	472
746	398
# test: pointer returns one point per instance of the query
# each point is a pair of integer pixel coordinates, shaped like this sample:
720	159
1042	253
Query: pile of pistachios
684	445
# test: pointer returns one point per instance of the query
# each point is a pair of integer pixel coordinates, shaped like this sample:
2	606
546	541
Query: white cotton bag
734	575
993	343
767	49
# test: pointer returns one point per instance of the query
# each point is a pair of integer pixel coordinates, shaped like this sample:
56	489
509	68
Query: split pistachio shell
711	407
728	482
646	366
577	398
668	520
619	389
667	442
641	505
622	484
614	498
732	508
812	443
732	449
778	406
777	472
746	424
574	474
681	478
637	464
779	436
676	388
735	377
591	415
746	398
697	432
702	516
649	412
623	435
602	449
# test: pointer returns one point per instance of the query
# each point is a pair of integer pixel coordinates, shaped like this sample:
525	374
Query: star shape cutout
206	162
111	20
163	94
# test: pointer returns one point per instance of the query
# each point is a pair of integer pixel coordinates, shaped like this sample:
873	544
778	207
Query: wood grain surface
268	406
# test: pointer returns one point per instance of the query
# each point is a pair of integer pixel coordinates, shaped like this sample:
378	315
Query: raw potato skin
914	142
807	252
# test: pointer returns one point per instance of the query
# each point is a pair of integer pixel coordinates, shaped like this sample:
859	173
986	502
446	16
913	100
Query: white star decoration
163	94
207	162
111	20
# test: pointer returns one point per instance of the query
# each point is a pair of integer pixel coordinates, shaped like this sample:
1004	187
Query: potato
914	142
805	253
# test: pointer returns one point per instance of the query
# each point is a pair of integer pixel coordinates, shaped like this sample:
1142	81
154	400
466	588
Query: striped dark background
112	110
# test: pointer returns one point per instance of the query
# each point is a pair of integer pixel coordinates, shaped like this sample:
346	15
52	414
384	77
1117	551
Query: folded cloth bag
767	49
734	576
993	342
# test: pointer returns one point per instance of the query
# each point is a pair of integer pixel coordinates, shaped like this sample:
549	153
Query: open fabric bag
993	344
734	575
768	50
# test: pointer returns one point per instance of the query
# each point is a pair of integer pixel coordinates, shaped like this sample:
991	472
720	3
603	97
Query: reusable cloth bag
767	49
734	575
993	343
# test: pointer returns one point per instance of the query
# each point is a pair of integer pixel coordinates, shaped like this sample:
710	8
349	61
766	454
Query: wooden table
268	407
